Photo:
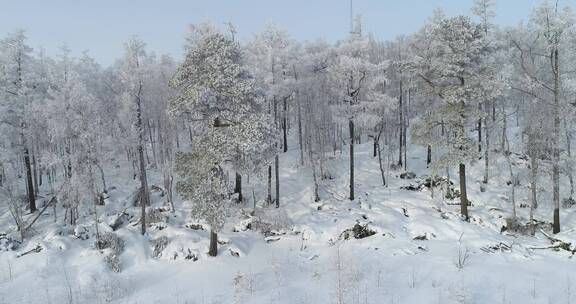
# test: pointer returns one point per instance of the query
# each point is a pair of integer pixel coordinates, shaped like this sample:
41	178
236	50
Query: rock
116	221
408	175
191	256
195	226
358	232
271	239
157	189
155	215
530	228
159	245
412	187
110	240
452	194
82	232
405	212
568	202
8	243
424	237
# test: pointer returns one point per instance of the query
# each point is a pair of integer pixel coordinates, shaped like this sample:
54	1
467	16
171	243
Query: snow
306	261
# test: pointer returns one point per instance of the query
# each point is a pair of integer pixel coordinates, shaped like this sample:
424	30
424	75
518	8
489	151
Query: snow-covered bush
115	245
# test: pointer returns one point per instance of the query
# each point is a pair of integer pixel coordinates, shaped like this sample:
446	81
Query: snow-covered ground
412	258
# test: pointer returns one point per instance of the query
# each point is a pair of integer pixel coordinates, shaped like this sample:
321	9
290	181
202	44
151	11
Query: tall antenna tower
351	18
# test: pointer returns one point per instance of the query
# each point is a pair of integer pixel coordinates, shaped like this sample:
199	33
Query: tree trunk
429	157
480	129
39	171
351	127
401	127
190	136
269	197
380	164
213	250
284	125
277	174
144	194
238	186
404	136
29	182
504	126
487	142
300	142
152	142
463	194
512	178
168	186
35	171
556	145
315	177
533	185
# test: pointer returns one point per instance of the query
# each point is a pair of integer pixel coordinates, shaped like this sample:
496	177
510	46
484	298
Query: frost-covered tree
542	55
133	70
448	60
18	91
351	73
217	92
268	54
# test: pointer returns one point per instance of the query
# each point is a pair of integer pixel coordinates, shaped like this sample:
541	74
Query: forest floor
419	250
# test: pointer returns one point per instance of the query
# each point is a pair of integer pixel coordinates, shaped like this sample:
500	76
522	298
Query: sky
102	26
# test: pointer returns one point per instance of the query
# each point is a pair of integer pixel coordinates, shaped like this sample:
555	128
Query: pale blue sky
101	26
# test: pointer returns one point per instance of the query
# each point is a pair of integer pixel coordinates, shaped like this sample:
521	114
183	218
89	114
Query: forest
436	167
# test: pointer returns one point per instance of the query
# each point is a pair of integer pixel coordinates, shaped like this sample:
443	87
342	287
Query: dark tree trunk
35	171
401	128
351	127
102	177
238	186
429	156
213	250
269	197
277	175
168	179
480	130
152	142
69	167
493	111
300	141
40	171
144	194
463	195
190	135
381	165
29	182
556	143
284	125
487	149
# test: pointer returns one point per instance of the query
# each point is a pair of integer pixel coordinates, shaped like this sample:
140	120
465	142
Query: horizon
79	26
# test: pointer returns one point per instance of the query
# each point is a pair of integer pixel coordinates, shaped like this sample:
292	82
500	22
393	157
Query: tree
268	55
350	73
18	90
219	95
448	55
541	62
484	10
133	71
